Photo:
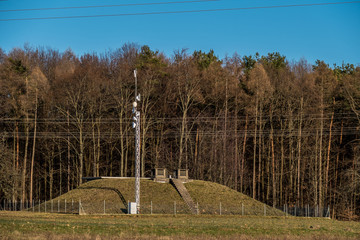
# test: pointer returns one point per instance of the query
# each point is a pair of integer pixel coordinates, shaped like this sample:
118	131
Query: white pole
220	208
136	125
242	209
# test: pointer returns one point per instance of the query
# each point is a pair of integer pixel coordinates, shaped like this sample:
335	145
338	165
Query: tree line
282	132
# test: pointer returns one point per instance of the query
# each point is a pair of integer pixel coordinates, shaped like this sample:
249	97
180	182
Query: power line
179	12
306	117
106	6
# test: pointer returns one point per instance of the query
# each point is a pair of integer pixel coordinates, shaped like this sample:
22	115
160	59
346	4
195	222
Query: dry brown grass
28	225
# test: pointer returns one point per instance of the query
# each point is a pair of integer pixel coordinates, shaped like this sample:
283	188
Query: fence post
104	208
242	209
39	204
58	205
197	208
264	210
72	205
295	211
65	205
79	206
174	207
52	205
220	208
151	210
45	205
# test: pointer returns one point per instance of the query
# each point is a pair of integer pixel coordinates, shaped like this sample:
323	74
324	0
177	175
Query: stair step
179	186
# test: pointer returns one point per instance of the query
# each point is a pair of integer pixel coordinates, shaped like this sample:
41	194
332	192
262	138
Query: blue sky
330	33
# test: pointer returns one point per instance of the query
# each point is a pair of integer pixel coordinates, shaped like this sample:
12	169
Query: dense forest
282	132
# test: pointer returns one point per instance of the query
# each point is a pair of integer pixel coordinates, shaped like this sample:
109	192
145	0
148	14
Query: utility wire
179	12
106	6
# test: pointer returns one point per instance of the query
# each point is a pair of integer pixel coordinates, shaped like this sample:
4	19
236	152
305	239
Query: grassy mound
211	195
111	196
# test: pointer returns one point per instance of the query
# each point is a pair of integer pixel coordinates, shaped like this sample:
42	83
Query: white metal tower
136	125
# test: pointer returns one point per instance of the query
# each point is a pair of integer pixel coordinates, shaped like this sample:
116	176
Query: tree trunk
260	152
33	152
68	153
337	171
243	155
81	155
254	159
299	151
328	156
272	160
282	164
23	179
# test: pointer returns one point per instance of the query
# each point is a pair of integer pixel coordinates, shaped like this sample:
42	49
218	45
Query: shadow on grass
124	210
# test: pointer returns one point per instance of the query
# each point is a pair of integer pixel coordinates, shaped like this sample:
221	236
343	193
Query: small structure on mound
182	174
162	175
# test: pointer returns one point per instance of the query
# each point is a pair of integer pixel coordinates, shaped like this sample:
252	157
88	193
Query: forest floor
30	225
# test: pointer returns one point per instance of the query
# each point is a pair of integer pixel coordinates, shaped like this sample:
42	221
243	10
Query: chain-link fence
71	206
306	211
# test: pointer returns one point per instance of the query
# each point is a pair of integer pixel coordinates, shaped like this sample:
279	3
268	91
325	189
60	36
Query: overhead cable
177	12
105	6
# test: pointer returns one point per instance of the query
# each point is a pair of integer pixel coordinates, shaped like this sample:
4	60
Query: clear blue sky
330	33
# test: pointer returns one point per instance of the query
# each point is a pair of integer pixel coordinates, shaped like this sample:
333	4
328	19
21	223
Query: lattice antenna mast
136	126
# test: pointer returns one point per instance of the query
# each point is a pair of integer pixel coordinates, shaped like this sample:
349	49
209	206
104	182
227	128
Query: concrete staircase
179	186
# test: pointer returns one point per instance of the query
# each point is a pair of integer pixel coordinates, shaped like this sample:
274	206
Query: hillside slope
210	195
157	198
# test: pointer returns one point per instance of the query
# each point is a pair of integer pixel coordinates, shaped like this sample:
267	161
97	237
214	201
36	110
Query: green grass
162	197
28	225
209	195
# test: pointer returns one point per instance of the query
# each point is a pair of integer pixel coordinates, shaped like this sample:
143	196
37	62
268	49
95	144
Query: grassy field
28	225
